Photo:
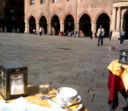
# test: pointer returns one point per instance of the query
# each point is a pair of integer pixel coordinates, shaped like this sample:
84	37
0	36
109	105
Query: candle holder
13	80
123	58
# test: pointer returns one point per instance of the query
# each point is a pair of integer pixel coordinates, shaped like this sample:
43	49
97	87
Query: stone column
77	28
114	18
93	29
62	27
122	20
26	27
118	19
116	32
49	28
37	28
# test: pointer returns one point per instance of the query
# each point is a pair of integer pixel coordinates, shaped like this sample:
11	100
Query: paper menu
16	84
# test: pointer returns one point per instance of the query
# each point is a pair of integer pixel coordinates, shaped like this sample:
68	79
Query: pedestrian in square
110	35
40	31
122	36
100	34
91	34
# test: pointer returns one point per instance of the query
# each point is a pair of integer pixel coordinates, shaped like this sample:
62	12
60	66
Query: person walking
91	34
40	31
110	35
122	36
100	34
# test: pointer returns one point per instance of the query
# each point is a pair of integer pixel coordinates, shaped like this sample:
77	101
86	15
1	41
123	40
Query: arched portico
43	23
85	25
32	24
104	20
55	23
125	24
69	24
119	18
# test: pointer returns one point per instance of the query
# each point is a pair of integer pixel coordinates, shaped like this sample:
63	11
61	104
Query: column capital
93	22
61	22
76	23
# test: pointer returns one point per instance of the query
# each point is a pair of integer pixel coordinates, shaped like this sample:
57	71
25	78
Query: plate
75	102
68	103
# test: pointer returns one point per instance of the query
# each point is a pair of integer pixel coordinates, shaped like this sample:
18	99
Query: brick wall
63	7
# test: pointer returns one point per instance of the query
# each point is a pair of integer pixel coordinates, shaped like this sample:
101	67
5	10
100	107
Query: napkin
21	104
2	102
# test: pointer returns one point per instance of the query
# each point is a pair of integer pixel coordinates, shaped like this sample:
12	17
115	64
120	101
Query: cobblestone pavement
65	61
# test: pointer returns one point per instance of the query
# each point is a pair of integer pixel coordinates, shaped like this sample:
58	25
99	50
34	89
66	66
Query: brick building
120	17
83	16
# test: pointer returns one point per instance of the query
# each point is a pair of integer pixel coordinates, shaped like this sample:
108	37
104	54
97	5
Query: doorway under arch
43	23
104	20
85	25
125	24
32	24
69	24
55	22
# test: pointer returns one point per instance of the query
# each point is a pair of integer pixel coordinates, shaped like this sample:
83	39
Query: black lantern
13	80
123	58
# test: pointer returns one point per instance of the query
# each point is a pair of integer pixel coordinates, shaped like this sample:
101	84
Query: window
55	1
42	1
32	2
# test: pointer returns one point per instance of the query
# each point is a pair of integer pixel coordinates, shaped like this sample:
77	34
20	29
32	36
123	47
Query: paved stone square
65	61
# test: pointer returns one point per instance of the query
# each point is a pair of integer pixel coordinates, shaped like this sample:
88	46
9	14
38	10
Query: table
117	82
34	97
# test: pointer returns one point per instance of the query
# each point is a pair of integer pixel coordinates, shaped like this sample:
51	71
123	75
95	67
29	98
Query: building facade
83	16
120	17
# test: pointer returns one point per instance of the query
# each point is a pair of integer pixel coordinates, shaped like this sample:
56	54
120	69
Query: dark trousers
110	37
122	39
100	40
40	33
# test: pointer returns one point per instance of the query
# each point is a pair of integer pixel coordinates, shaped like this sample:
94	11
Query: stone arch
104	20
42	15
85	25
125	23
28	18
64	17
69	23
32	24
85	12
52	15
55	24
101	12
43	24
